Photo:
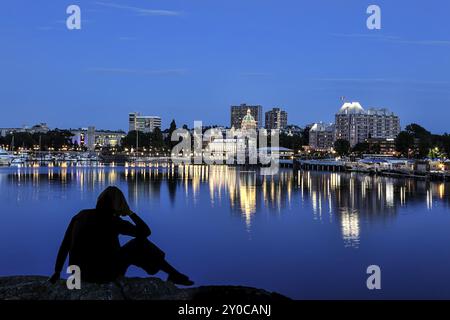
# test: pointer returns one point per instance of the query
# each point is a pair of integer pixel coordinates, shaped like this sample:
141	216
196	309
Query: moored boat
5	158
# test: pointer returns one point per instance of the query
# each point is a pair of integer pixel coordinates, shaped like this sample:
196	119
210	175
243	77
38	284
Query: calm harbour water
306	235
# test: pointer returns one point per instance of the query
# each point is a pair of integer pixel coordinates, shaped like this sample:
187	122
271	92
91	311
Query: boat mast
137	137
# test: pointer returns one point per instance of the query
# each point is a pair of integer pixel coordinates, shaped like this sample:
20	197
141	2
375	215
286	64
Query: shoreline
341	168
38	288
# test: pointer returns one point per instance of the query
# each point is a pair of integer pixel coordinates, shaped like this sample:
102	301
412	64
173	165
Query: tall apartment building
239	112
276	119
356	125
321	136
145	124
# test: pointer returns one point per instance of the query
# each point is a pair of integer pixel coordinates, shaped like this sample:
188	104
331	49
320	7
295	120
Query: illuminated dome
248	122
351	108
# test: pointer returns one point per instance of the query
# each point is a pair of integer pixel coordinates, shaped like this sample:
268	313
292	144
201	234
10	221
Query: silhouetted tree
417	131
157	140
404	143
54	138
305	136
445	144
361	148
342	147
294	142
173	126
129	141
415	141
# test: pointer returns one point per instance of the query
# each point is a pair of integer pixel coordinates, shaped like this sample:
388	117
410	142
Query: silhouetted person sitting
92	242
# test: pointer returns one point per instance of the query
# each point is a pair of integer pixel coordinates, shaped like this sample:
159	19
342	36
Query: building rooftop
351	108
320	126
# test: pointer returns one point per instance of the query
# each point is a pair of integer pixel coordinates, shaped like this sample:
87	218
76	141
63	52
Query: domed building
238	112
248	122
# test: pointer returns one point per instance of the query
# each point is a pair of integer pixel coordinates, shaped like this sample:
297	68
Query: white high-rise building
144	124
356	125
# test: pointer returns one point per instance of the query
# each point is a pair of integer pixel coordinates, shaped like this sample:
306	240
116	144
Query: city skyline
146	123
187	61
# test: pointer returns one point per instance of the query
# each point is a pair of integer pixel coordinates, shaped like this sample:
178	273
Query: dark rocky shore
38	288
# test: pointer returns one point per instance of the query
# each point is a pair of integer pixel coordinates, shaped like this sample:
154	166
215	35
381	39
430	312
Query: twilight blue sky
191	59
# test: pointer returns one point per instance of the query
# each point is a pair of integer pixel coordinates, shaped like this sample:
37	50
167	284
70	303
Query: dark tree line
144	140
295	141
342	147
417	142
55	139
413	142
152	140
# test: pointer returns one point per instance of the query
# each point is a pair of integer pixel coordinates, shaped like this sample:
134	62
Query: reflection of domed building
248	122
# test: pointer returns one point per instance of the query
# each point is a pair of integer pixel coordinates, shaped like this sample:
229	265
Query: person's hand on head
122	213
122	207
113	200
126	213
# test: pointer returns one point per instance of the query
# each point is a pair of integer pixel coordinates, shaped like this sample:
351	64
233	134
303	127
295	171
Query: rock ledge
38	288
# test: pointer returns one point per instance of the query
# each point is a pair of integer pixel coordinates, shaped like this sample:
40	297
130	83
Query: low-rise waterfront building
381	145
221	150
321	136
92	138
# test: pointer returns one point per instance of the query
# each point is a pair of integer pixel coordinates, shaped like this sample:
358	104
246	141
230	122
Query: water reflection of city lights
442	190
389	194
429	199
350	227
347	198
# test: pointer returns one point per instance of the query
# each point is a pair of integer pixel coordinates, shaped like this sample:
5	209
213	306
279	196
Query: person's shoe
180	279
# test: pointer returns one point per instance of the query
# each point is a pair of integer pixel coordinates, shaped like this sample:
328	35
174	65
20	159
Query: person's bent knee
137	242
